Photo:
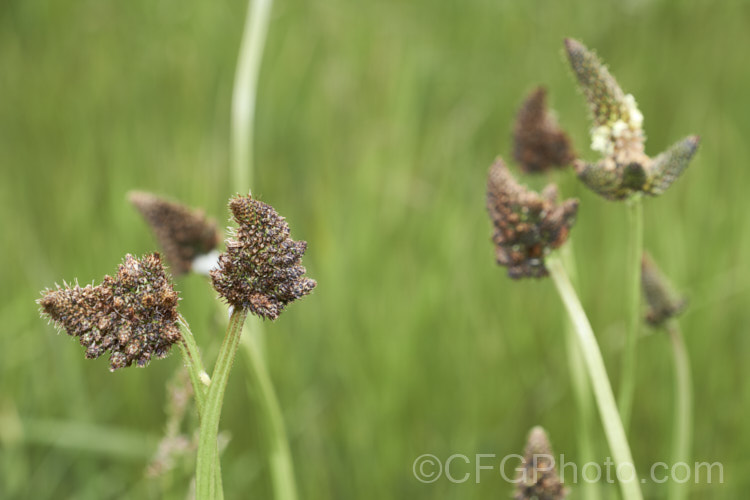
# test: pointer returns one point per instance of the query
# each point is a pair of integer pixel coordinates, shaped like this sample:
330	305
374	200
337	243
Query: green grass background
376	124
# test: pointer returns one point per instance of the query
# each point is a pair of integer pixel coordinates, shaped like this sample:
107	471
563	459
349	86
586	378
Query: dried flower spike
617	135
539	143
261	269
184	234
526	225
537	478
133	315
662	301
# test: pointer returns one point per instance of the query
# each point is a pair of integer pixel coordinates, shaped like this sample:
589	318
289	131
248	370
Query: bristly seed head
617	134
133	315
261	270
539	143
608	103
662	301
537	477
527	226
182	233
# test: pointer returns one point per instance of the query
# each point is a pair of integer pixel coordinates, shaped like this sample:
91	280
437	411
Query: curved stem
605	400
580	384
206	458
193	363
200	381
245	92
683	411
279	456
635	251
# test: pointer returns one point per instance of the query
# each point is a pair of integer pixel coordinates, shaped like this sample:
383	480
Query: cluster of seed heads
133	315
261	269
527	225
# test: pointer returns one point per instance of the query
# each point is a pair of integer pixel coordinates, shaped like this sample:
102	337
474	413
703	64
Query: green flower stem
581	387
279	456
605	400
246	90
194	365
207	462
197	372
683	412
635	252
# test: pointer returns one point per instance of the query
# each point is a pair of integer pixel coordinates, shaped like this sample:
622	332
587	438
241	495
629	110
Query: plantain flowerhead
261	270
186	236
537	476
527	225
539	144
662	301
617	135
133	315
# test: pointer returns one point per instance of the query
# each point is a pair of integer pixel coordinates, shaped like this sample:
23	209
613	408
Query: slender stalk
605	400
279	456
683	411
580	384
198	377
207	461
245	92
194	365
635	251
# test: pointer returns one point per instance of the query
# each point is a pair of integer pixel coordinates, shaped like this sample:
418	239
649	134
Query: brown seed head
133	315
661	300
182	233
261	269
539	143
537	477
526	225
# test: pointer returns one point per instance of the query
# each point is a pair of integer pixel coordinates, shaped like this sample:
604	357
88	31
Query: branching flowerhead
537	477
527	225
625	169
261	270
662	301
539	143
133	315
182	233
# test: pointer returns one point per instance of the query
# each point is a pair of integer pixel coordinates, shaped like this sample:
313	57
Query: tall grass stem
635	252
279	455
605	399
682	429
580	384
245	92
